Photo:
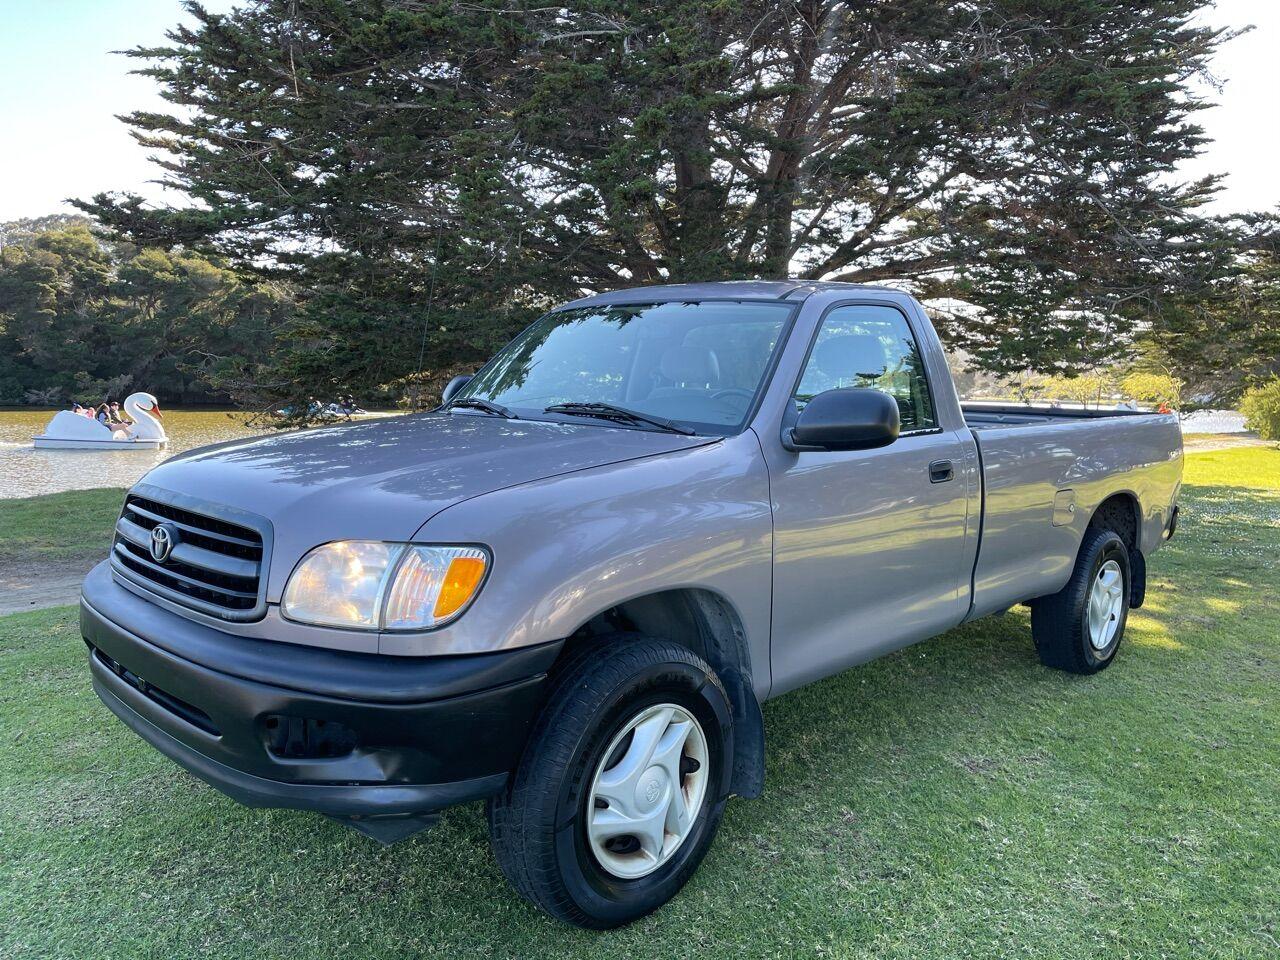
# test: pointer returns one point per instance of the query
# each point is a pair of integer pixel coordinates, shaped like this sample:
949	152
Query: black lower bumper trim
345	801
268	740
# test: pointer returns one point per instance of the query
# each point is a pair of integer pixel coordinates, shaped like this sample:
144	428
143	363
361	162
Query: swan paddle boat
71	431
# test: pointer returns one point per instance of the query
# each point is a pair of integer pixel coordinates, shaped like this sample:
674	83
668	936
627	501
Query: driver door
869	545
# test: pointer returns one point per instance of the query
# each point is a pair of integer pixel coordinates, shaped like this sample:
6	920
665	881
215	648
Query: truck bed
1044	472
987	416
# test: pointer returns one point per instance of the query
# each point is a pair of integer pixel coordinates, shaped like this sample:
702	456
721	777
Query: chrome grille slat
191	555
132	532
215	564
203	531
170	571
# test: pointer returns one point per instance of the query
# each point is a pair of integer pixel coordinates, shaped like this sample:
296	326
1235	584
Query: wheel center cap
651	787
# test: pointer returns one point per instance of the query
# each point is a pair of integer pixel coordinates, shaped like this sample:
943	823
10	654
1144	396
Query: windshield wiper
607	411
480	403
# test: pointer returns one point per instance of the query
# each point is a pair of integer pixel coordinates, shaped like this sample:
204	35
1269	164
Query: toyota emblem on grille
163	538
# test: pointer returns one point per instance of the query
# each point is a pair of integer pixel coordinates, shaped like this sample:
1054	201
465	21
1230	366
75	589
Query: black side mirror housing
851	418
452	387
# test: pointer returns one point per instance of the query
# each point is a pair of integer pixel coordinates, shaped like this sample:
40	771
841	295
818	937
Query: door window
864	345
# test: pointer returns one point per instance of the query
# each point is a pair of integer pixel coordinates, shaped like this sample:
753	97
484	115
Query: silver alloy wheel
647	791
1106	601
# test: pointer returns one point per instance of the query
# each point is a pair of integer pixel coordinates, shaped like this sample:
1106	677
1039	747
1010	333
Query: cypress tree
431	174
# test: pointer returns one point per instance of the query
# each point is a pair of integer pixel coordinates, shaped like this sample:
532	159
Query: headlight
368	585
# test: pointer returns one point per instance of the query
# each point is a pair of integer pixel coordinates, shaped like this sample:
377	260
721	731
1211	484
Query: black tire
537	824
1059	623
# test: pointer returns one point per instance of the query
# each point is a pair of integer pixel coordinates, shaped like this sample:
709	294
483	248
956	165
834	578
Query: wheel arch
1122	512
708	624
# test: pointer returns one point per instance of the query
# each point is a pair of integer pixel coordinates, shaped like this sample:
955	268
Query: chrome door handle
940	471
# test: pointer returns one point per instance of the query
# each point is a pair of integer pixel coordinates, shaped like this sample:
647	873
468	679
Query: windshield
698	364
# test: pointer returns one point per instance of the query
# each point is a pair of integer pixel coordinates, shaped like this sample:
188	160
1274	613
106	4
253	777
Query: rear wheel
622	787
1080	627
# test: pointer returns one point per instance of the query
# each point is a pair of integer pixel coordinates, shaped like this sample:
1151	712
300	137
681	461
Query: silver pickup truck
568	590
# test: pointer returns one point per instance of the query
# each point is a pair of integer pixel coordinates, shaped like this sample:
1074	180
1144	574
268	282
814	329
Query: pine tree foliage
431	174
1224	337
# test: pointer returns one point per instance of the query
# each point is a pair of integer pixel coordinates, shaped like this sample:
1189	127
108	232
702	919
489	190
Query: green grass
58	527
953	800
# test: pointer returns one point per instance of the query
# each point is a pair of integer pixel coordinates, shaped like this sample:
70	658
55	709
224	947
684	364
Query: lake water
26	471
1213	421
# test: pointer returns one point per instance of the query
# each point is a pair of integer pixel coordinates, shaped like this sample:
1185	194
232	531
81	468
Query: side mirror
452	387
851	418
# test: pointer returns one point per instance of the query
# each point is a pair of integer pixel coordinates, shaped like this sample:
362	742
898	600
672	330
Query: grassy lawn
58	527
952	800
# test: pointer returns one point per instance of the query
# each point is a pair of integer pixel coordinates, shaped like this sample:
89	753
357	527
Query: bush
1261	409
11	391
1152	388
43	397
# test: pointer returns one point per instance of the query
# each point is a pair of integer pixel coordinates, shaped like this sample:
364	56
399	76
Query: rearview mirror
851	418
452	387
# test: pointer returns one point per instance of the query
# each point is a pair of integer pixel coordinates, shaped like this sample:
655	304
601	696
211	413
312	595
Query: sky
61	88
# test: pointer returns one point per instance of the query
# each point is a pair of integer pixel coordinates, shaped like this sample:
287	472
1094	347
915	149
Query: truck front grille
212	564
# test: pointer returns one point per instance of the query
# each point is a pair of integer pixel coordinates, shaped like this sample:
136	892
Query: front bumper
380	742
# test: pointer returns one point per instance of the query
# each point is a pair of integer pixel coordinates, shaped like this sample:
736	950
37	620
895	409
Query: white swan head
144	410
145	402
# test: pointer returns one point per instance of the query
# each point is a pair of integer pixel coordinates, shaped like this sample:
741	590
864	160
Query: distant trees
83	319
1155	389
1101	387
23	231
431	174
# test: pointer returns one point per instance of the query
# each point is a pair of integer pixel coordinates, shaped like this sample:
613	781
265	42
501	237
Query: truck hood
383	479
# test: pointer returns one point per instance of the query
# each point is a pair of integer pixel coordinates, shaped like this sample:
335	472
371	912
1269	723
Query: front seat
687	369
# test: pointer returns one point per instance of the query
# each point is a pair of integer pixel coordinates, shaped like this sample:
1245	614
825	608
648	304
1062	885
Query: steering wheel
733	392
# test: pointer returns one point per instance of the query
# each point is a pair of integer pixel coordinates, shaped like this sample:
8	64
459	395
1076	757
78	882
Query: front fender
569	547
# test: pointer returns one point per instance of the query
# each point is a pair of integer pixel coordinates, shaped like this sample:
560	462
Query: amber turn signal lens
460	583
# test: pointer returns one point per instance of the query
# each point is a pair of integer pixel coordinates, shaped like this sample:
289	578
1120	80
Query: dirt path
36	585
1208	442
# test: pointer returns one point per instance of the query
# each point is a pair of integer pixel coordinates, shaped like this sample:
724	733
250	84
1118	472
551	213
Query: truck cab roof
790	290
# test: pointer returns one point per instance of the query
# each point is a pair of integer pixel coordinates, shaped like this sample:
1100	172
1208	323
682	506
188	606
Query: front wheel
622	787
1079	628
